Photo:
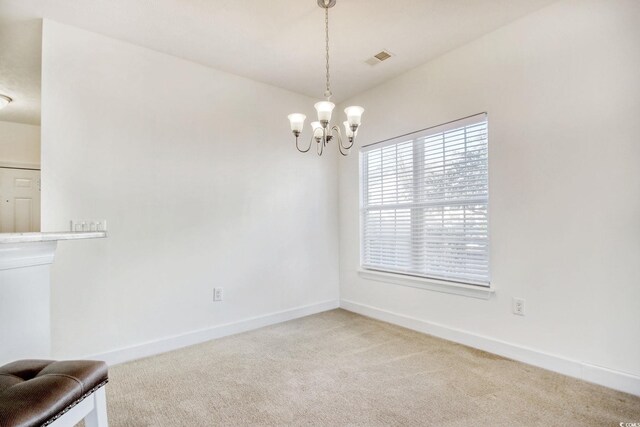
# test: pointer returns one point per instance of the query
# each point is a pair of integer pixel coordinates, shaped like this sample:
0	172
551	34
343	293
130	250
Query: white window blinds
425	203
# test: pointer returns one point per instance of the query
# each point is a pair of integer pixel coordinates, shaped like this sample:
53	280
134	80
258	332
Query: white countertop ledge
50	236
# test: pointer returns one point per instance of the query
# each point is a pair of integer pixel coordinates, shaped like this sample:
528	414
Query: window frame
449	285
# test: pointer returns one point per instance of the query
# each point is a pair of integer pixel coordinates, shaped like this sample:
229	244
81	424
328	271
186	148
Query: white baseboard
163	345
595	374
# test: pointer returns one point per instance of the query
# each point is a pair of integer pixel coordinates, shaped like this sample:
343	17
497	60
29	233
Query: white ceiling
280	42
20	60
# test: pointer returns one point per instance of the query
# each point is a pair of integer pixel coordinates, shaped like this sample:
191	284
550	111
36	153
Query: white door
19	200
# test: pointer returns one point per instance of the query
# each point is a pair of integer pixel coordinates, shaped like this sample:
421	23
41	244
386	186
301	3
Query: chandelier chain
327	94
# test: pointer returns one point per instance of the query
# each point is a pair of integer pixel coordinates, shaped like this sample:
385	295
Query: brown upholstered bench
55	394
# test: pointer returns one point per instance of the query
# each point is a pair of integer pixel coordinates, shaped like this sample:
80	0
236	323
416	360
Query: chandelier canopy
322	130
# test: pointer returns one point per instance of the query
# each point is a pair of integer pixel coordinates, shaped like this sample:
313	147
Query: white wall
19	145
562	92
196	172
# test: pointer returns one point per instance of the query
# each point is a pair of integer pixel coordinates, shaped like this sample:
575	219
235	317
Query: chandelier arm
340	146
344	153
337	129
350	145
320	148
308	148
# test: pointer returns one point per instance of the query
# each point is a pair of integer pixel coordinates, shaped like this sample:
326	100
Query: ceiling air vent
379	57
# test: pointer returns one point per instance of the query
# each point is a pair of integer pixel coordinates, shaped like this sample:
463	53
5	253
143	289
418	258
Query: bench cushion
36	392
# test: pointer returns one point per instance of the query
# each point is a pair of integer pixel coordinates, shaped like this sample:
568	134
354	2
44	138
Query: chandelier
322	130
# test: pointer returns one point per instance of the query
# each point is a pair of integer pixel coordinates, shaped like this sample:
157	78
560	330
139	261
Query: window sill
428	284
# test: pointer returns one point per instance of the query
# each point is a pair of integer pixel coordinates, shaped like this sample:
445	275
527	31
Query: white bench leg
98	416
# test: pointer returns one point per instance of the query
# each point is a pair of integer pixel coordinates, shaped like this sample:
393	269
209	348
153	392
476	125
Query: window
425	203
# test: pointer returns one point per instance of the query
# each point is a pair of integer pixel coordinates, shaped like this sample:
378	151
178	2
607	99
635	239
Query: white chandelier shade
349	132
324	109
322	130
354	115
297	121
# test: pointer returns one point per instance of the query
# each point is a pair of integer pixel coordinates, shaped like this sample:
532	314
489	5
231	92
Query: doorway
19	200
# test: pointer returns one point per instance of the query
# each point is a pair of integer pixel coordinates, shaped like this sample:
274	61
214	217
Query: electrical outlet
218	294
518	306
88	225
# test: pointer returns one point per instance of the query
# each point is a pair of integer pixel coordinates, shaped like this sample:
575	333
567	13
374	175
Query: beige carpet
339	368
